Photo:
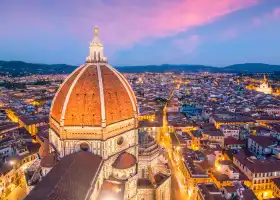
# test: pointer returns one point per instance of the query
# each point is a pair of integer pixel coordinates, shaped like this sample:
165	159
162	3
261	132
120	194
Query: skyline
142	33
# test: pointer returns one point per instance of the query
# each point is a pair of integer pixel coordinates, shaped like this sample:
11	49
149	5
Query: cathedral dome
94	95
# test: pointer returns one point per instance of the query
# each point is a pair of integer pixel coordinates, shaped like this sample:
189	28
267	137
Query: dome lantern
96	49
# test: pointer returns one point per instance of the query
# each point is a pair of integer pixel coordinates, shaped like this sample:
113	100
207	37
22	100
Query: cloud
188	45
233	31
229	33
273	15
124	22
127	24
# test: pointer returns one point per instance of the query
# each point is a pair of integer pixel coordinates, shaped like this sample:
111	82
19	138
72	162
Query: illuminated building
151	117
260	173
206	191
196	138
152	170
213	135
32	123
250	87
226	174
12	171
233	143
94	132
261	145
172	106
275	184
12	115
264	87
229	119
193	172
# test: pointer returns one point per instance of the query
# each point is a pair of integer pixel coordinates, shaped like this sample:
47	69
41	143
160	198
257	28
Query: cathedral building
93	139
153	174
264	87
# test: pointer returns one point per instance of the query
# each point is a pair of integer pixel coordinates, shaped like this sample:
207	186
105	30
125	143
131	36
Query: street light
12	162
24	167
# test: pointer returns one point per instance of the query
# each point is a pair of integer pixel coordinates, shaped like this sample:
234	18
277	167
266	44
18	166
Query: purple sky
136	32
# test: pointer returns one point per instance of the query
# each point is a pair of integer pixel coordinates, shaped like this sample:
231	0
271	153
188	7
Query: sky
142	32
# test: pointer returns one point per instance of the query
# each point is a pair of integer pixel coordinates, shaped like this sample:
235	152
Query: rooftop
59	185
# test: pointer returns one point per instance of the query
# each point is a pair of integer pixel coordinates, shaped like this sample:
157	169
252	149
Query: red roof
124	161
79	98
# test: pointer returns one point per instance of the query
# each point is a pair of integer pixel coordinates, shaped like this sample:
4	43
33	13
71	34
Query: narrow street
179	192
177	178
18	193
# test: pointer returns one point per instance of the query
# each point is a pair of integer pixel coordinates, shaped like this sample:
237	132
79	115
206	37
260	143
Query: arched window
84	146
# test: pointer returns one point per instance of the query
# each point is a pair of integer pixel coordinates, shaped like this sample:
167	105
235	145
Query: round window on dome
120	141
84	146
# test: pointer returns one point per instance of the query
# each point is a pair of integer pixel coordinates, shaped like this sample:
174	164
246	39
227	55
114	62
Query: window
84	146
120	141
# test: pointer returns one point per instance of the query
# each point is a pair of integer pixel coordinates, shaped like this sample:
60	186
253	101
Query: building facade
264	87
94	132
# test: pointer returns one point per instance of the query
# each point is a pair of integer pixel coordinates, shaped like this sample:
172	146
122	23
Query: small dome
124	161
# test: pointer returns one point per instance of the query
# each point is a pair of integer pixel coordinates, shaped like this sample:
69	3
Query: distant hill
18	68
21	68
168	68
252	68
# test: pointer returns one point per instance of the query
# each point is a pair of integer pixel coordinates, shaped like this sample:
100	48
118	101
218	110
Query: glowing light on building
264	87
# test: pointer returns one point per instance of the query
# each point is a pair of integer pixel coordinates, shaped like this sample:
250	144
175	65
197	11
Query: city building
264	87
260	172
94	132
261	145
154	177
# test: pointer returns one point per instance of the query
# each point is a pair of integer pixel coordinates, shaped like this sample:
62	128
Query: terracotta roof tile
124	161
117	101
84	106
61	95
71	178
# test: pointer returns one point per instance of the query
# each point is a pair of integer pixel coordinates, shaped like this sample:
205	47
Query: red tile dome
92	94
93	100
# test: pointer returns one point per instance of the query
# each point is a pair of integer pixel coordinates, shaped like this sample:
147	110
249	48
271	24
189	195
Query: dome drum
89	132
124	174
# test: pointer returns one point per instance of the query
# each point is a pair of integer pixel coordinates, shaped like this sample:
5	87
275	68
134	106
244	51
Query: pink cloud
230	33
233	32
125	22
273	15
188	45
129	24
276	12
